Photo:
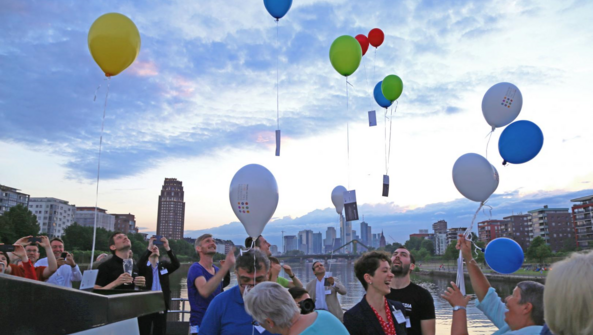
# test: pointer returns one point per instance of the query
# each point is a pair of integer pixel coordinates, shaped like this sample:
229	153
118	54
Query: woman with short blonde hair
568	298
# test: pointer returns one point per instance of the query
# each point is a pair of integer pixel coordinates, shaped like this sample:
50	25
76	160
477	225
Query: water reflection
478	323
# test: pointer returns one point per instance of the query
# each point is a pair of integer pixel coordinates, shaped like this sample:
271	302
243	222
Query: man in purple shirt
204	280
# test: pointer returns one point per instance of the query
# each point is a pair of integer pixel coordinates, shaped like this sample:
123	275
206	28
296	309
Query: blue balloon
520	142
504	255
379	97
277	8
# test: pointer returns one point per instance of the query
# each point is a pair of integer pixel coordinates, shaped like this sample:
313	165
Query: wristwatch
456	308
291	277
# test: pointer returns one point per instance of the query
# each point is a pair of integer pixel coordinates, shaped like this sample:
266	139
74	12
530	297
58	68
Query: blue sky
199	102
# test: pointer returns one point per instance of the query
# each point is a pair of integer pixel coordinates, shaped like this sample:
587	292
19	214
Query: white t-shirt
64	276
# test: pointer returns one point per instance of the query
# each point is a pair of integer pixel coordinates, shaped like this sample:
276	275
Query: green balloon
345	55
392	87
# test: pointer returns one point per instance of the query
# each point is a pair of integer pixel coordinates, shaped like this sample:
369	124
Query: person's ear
270	323
412	266
527	308
112	247
368	278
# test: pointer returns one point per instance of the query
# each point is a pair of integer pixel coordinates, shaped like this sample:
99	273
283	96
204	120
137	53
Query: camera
64	255
307	306
32	240
157	240
7	248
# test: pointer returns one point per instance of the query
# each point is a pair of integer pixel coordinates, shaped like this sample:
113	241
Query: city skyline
199	103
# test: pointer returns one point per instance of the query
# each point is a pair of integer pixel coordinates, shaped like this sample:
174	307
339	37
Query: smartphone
34	239
64	255
7	248
157	240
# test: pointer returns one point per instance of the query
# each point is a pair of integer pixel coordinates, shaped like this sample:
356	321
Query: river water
478	324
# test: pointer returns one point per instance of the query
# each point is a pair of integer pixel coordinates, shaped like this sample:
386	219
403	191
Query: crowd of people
268	303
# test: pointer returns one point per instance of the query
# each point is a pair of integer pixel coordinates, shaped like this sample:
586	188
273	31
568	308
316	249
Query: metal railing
183	311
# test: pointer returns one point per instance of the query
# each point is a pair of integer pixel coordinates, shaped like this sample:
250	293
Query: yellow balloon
114	43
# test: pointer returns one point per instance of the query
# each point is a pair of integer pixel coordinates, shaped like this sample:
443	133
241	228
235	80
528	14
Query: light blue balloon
379	97
504	255
520	142
277	8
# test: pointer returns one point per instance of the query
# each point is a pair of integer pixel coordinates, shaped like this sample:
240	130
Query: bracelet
292	277
456	308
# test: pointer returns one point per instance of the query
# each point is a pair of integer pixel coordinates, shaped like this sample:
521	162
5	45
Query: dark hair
412	259
297	292
56	239
252	260
249	242
313	266
274	260
32	245
369	263
112	240
533	293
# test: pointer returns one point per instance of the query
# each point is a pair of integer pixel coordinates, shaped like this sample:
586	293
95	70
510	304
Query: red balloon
364	43
376	37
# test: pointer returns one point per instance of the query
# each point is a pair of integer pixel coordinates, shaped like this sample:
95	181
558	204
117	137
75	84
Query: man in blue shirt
226	314
204	280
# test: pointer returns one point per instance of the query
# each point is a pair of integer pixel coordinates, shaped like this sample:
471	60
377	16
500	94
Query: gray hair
533	293
568	295
251	258
269	300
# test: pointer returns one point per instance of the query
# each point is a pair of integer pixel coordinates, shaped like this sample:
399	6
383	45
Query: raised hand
454	297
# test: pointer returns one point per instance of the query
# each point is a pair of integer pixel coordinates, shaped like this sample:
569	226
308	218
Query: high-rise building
376	238
553	224
305	241
519	228
382	241
126	223
85	216
488	230
440	243
274	250
369	236
10	197
317	243
290	243
582	221
54	215
440	227
422	234
364	231
453	234
348	235
171	215
330	240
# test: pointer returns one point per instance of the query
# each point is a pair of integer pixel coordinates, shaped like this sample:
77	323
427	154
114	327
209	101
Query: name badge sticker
260	329
408	323
399	316
164	271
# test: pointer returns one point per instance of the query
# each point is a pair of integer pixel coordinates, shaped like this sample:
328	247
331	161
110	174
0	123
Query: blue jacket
226	315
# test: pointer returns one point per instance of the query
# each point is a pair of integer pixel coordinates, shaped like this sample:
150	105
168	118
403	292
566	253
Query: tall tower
171	215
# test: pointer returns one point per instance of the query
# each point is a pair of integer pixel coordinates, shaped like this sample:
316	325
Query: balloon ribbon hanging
460	281
388	143
99	170
278	135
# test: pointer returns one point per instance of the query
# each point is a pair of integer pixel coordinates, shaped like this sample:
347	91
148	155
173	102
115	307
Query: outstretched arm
455	298
479	282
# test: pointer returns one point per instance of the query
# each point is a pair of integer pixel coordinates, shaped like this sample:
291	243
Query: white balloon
502	104
474	177
338	198
254	197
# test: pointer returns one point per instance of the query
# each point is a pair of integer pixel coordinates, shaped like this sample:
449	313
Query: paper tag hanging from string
278	142
385	185
372	119
350	205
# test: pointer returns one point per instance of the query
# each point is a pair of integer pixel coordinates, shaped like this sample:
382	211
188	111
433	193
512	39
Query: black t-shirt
418	303
110	270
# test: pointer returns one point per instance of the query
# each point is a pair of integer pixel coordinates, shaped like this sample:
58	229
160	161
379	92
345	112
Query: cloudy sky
200	102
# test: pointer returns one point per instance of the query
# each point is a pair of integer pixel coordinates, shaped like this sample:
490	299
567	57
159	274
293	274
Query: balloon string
277	80
374	63
98	87
488	143
388	151
99	172
347	133
367	81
